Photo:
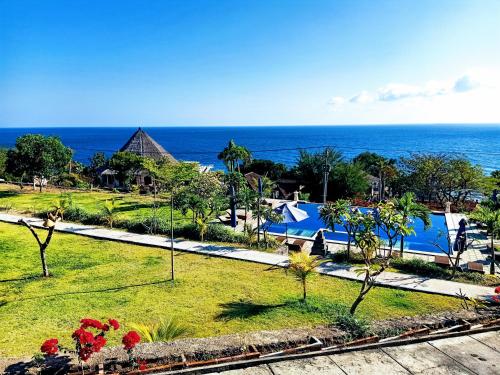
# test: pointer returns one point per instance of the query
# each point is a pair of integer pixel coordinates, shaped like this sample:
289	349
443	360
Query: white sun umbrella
290	214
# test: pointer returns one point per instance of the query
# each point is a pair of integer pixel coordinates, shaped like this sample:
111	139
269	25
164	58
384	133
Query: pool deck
389	279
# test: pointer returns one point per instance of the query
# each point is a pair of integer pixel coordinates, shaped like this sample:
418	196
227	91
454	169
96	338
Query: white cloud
398	91
466	83
363	97
337	102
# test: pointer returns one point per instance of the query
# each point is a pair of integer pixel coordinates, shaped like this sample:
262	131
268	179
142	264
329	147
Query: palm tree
340	212
490	218
109	212
233	154
302	266
407	207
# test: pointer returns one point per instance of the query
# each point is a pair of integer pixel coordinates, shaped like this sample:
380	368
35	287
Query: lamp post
172	233
326	171
258	210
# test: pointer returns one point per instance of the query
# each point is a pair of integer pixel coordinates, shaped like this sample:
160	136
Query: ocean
479	143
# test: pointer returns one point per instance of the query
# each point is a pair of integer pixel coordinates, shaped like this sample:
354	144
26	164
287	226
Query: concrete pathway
398	280
477	354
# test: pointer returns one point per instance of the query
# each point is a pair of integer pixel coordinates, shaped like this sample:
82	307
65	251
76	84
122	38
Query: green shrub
355	327
419	267
164	330
341	257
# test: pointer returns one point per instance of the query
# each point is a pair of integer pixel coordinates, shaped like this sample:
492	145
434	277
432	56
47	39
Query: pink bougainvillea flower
497	290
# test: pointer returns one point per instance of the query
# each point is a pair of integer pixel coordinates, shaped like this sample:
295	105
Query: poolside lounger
280	239
297	245
475	267
442	261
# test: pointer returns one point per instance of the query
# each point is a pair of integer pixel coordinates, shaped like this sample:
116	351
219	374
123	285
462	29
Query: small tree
461	248
368	243
341	213
126	164
490	218
38	156
50	224
268	217
109	212
409	208
302	266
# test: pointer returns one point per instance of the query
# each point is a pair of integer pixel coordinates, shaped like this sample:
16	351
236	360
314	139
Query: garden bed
190	353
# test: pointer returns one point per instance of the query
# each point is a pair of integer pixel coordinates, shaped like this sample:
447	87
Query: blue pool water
421	241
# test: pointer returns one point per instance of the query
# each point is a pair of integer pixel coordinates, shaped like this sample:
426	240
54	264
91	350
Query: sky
248	62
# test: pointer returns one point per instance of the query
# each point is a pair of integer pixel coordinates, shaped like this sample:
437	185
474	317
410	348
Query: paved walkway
477	354
398	280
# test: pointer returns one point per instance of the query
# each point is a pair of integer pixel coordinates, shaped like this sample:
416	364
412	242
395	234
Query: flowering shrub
90	338
50	347
86	341
129	341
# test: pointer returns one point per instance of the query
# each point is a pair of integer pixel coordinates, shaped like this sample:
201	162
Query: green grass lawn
212	296
130	206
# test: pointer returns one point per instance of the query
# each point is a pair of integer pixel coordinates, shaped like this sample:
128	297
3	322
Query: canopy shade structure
290	214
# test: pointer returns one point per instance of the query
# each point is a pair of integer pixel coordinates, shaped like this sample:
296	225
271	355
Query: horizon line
244	125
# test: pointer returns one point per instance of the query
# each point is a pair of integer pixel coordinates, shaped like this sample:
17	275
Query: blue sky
248	62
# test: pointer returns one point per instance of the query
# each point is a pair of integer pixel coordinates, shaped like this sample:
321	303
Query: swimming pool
421	241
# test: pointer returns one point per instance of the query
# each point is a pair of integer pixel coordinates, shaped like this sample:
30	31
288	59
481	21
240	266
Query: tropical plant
109	212
302	266
490	218
233	154
409	208
341	213
162	331
202	225
247	198
268	216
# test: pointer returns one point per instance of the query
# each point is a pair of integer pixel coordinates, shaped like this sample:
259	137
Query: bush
419	267
341	257
355	327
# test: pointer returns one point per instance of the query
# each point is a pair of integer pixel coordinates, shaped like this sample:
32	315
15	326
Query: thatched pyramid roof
142	144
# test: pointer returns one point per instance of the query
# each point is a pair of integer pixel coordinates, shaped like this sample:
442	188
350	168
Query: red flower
130	340
83	337
496	299
105	327
143	365
497	290
50	347
114	323
99	342
85	353
87	322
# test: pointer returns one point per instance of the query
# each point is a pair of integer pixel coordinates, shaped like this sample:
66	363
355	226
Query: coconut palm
233	154
302	266
408	208
490	218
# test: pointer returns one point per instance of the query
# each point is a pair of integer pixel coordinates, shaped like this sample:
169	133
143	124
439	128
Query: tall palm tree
408	207
490	218
233	154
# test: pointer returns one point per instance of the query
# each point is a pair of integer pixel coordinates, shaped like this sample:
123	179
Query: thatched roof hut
142	144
